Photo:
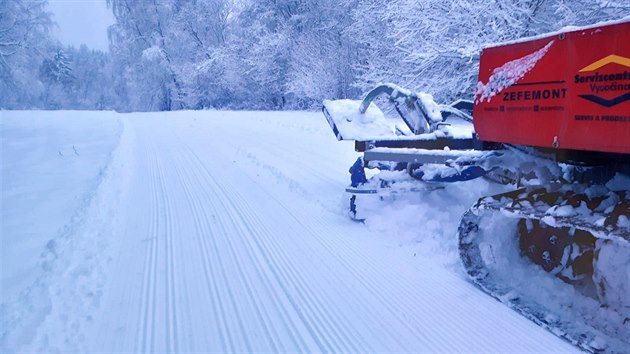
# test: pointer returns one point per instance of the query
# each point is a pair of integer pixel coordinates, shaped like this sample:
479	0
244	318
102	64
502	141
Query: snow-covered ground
226	232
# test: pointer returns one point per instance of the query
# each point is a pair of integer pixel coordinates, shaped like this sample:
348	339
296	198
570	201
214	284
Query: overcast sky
82	22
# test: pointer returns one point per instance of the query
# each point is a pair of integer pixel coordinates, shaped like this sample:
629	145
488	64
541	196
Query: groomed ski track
224	232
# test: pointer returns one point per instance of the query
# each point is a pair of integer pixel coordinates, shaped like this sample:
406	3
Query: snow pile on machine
352	124
509	74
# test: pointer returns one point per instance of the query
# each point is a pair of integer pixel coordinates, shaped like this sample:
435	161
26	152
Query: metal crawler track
596	328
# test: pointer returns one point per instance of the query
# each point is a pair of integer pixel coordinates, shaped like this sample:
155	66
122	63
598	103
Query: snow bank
425	222
52	164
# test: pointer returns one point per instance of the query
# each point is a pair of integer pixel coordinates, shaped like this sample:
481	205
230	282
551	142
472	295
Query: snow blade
362	120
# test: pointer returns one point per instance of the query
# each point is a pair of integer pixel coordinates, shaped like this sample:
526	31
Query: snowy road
224	232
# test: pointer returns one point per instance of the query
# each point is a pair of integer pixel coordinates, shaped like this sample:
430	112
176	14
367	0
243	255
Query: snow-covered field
226	232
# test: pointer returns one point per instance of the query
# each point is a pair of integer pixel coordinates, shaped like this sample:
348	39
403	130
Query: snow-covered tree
143	54
24	26
56	74
433	45
201	31
323	55
92	87
57	70
376	49
279	54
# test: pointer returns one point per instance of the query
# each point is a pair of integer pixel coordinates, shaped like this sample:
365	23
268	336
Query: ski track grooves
258	293
405	292
326	330
261	313
321	237
202	229
145	336
280	280
254	220
170	296
412	320
161	233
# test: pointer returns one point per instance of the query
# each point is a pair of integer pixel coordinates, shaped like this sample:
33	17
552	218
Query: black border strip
540	83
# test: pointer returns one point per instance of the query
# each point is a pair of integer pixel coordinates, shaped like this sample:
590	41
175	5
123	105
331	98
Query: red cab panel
569	90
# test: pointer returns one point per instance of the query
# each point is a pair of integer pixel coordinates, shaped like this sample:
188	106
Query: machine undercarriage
575	233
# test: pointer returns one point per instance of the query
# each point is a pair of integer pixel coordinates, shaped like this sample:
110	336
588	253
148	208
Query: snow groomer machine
550	118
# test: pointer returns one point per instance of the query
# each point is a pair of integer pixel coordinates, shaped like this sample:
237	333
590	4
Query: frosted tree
376	50
57	70
263	38
297	52
56	74
437	42
36	72
24	26
433	45
143	54
92	87
201	29
323	54
170	54
581	12
279	54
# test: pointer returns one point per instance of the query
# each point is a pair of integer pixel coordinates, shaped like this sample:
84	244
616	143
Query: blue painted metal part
466	174
357	173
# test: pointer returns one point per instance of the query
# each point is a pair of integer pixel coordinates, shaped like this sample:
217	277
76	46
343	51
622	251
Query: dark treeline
266	54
